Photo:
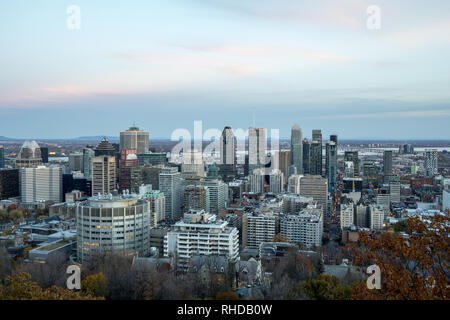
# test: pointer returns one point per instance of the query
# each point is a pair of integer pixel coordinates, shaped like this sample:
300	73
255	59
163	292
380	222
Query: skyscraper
285	162
29	155
103	175
228	145
104	148
2	157
41	184
134	138
257	148
44	154
317	188
104	171
331	165
88	154
430	164
75	161
297	148
128	161
315	158
9	183
387	165
170	186
317	135
306	155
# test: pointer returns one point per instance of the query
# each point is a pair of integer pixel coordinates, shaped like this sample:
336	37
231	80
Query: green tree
326	287
95	285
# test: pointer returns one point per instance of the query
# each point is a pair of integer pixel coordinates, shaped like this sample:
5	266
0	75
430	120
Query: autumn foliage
414	265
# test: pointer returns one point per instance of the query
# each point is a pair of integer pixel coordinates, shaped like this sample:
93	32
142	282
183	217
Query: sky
265	63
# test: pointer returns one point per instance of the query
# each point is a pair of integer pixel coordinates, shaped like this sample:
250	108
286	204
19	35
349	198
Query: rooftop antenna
254	121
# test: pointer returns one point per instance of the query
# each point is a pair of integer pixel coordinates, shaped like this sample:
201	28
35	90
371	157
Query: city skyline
225	62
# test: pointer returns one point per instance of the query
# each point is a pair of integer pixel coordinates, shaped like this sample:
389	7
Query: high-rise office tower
297	148
103	175
88	154
9	183
334	138
2	157
387	165
128	161
44	154
228	145
29	155
317	135
430	164
317	188
353	157
284	157
134	138
196	197
257	148
170	186
41	184
104	148
306	155
276	178
370	174
315	158
331	165
75	161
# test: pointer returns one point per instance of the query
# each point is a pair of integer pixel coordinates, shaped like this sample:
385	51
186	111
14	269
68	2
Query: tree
326	287
20	287
413	267
95	285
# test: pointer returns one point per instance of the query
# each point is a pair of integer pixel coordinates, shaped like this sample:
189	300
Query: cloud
394	114
346	13
436	33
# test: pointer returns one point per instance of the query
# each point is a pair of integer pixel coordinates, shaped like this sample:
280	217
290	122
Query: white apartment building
376	217
201	234
305	228
41	184
257	228
347	215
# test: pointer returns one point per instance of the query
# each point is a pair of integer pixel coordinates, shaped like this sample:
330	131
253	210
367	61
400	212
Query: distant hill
95	138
